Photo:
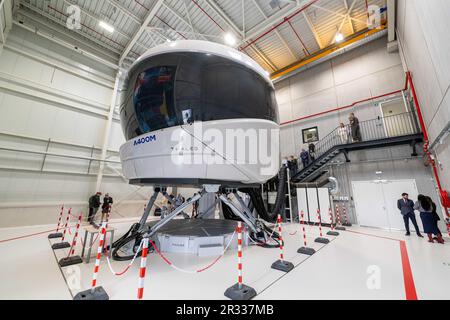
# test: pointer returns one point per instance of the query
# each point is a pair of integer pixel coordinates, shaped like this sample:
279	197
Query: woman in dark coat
436	217
425	207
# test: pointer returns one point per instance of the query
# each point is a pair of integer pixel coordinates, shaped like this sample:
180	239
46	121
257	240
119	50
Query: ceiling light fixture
106	26
339	37
230	39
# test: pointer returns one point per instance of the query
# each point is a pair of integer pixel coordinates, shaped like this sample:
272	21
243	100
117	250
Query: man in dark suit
406	207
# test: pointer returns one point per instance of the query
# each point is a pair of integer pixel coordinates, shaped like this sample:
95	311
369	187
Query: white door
376	203
302	203
392	190
370	204
313	205
324	203
396	121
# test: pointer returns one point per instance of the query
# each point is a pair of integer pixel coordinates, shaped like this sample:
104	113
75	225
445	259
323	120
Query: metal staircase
376	133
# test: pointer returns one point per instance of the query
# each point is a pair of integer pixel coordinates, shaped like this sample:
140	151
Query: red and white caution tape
99	255
142	269
127	267
208	266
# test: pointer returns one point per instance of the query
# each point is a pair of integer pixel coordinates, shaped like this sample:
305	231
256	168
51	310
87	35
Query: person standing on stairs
343	133
355	128
304	156
312	151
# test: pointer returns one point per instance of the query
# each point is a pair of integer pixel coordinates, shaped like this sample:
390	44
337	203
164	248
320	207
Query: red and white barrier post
57	234
338	220
239	247
142	269
71	258
320	239
63	244
305	249
281	264
95	293
331	232
99	255
347	222
240	291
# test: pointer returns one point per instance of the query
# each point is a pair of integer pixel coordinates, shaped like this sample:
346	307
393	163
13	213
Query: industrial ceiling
275	33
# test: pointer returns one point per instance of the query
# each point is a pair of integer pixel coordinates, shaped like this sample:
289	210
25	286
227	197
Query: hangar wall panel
362	73
423	31
49	93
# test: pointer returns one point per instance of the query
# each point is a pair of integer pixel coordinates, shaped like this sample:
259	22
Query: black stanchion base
332	233
55	235
322	240
98	294
306	250
340	228
244	293
65	262
347	224
284	266
60	245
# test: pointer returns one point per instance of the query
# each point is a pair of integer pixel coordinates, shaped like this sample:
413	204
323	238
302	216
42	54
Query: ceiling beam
349	11
60	22
151	14
350	21
338	14
224	17
236	29
272	20
313	30
276	31
95	17
186	22
125	11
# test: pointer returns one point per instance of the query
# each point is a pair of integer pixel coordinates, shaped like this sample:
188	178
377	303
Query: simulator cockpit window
153	99
174	89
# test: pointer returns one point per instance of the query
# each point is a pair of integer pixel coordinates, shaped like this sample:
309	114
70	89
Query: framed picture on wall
310	135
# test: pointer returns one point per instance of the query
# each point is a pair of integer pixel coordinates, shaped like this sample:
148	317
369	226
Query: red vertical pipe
427	141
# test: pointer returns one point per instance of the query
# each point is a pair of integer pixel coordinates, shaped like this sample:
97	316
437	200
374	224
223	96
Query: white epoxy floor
339	270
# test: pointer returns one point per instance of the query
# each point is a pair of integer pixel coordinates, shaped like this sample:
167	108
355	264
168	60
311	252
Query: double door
376	203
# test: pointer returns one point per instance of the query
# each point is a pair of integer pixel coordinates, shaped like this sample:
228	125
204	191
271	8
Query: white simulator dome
175	89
